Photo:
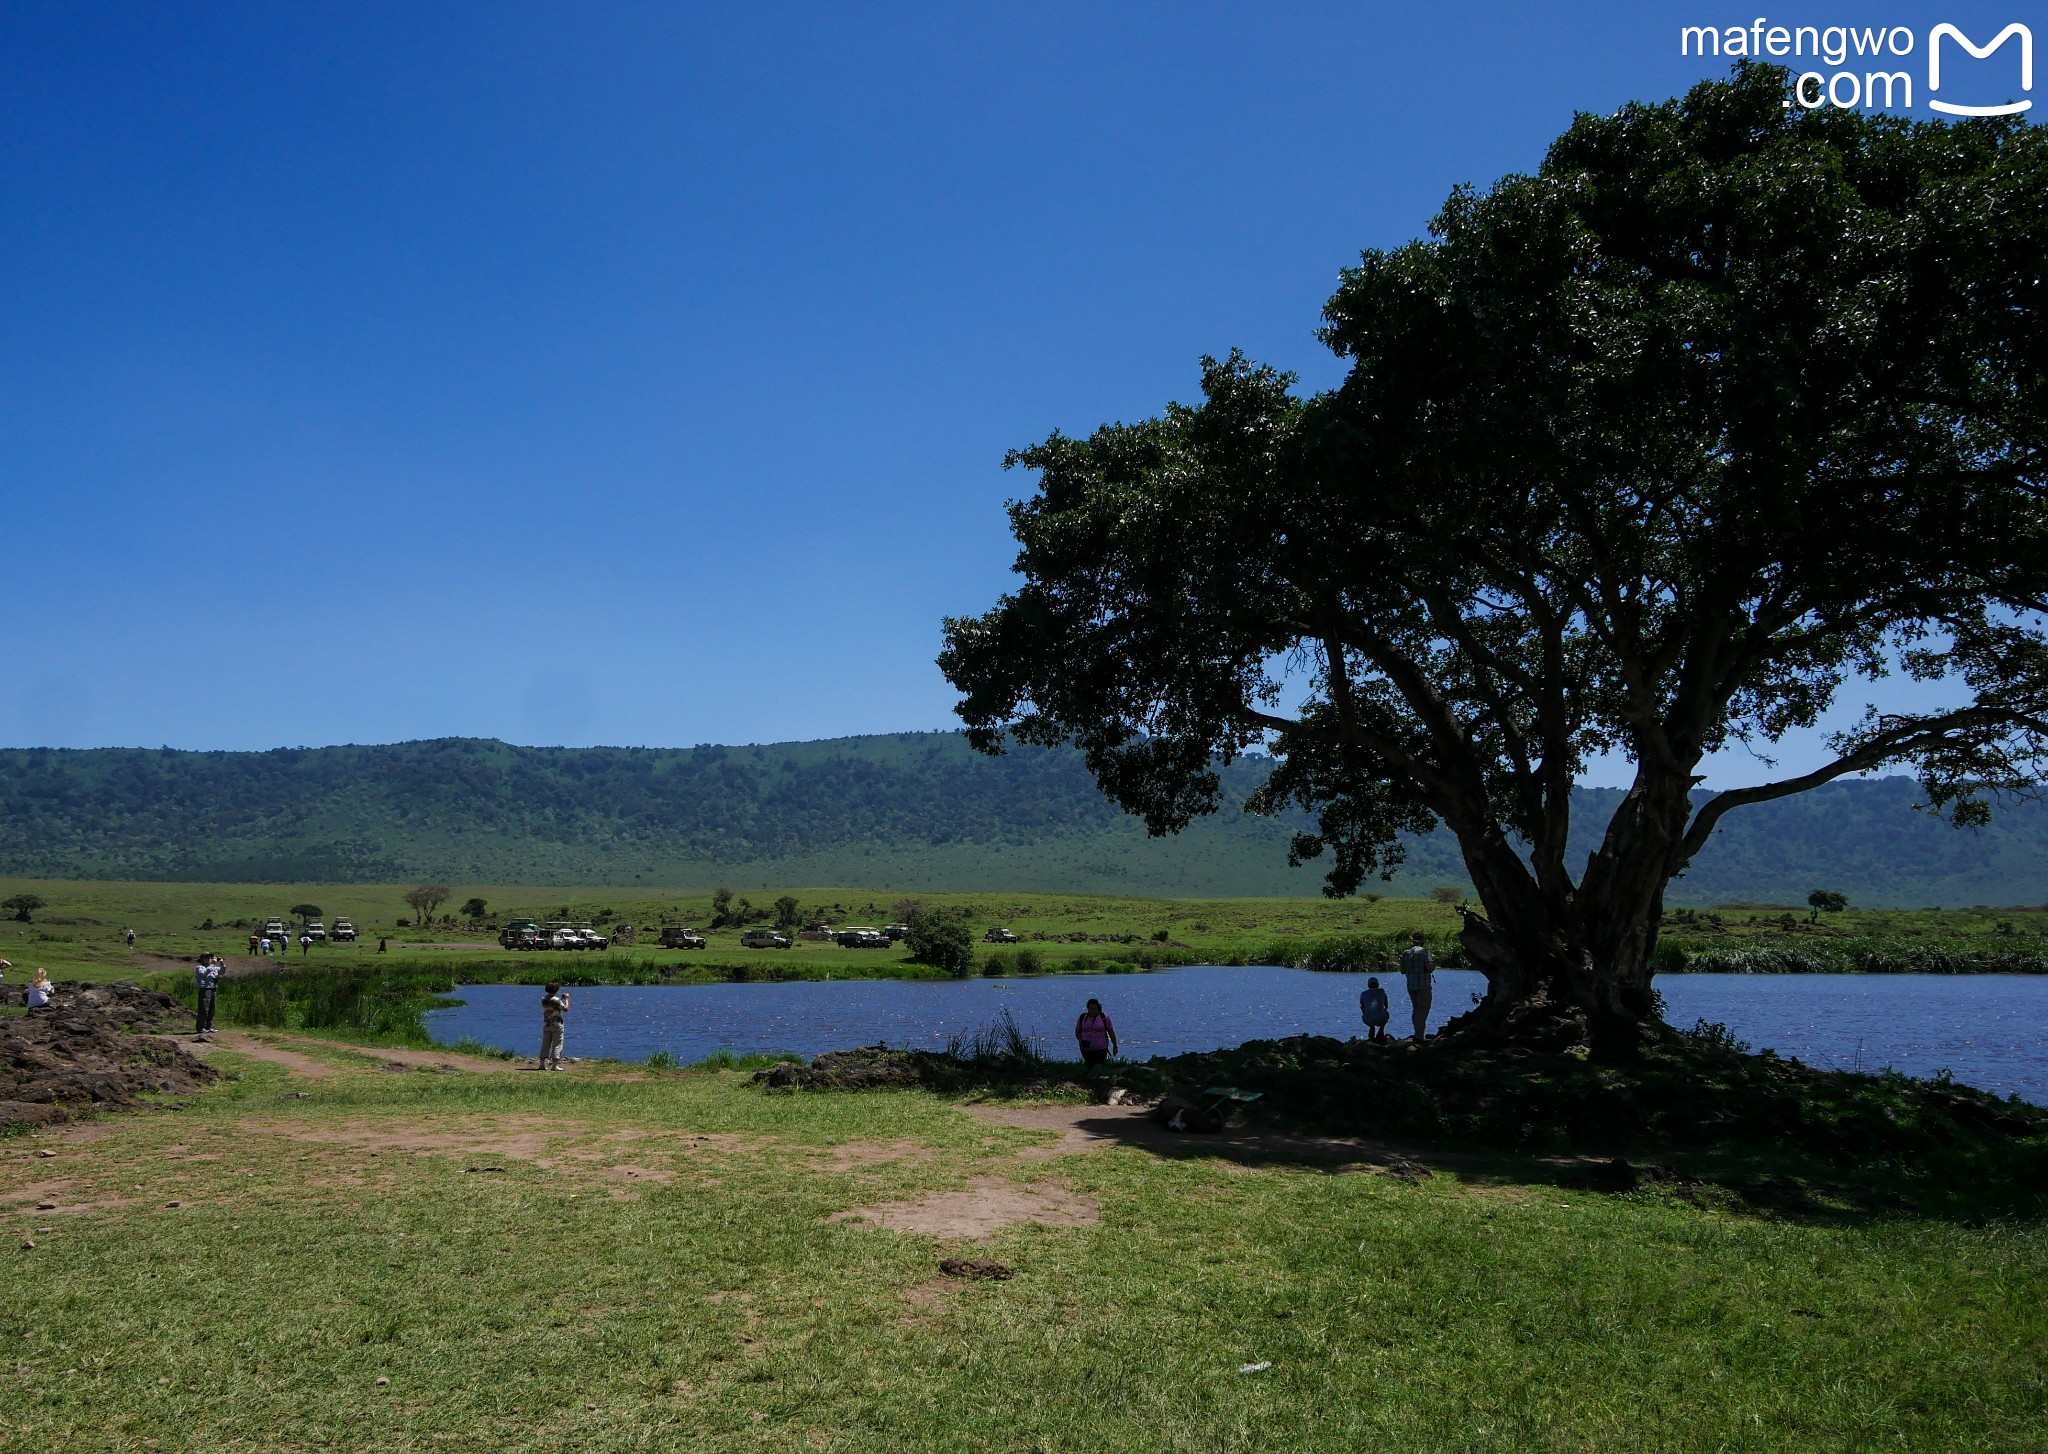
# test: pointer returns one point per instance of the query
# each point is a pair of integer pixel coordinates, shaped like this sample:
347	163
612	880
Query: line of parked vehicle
343	932
577	934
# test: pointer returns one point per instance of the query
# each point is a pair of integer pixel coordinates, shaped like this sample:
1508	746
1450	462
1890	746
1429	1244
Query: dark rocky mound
90	1049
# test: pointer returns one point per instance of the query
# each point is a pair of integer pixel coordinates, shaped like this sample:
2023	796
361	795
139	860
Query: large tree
1727	411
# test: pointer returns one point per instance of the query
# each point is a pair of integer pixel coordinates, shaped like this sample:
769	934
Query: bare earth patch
856	1154
987	1206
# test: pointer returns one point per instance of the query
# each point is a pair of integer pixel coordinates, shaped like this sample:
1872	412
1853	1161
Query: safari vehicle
571	934
315	931
520	934
764	939
273	928
863	938
999	935
343	932
895	931
675	936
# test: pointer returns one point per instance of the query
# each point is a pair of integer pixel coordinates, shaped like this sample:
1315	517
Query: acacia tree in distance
1730	406
425	899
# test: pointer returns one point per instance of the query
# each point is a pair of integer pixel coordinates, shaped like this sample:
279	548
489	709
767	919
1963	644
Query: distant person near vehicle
255	943
554	1012
131	938
305	944
206	975
383	944
1419	968
39	990
1372	1004
1096	1035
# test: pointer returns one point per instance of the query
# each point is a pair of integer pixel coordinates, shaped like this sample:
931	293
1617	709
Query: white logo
1836	45
1980	52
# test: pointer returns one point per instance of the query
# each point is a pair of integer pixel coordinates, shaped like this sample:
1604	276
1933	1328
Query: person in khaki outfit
554	1011
1418	967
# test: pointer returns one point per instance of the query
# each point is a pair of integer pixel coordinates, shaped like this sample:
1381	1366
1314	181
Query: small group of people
1418	968
278	944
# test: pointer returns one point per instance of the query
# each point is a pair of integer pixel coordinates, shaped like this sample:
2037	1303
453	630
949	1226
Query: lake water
1991	1030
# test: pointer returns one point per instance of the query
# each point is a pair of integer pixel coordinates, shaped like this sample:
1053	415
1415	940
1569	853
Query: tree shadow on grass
1688	1117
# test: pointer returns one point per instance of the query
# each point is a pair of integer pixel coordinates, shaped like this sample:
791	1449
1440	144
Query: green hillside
912	810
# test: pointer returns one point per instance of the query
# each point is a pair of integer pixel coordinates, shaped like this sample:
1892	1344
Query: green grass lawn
404	1227
80	933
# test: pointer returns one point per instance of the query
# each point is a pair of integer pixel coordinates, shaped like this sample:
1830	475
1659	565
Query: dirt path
280	1053
256	1049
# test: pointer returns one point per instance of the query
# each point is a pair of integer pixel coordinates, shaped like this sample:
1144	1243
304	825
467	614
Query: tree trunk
1576	954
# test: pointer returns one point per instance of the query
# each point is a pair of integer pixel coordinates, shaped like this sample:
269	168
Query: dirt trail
279	1053
256	1049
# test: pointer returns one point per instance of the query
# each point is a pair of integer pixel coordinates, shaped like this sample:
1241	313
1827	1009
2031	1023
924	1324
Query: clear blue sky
641	374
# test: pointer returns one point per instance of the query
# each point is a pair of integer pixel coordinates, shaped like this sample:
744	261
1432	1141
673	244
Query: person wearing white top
39	990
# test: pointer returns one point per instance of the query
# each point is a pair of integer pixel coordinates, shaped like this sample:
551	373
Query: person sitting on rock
39	990
1372	1004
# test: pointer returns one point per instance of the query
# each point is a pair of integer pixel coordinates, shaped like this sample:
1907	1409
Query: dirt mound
90	1049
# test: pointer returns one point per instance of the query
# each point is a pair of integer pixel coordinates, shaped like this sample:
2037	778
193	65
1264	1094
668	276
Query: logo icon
2011	108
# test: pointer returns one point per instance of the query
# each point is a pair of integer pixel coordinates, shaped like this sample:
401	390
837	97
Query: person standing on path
1097	1037
1372	1005
131	938
554	1012
206	975
1419	969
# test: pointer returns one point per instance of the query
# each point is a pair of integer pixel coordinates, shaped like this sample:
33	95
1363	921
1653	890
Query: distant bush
941	938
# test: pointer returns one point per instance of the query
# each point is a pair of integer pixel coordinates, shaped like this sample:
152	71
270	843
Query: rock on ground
91	1048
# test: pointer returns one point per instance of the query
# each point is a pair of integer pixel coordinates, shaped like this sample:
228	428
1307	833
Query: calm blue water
1990	1030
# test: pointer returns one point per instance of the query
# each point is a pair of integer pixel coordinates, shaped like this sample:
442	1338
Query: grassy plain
81	931
613	1260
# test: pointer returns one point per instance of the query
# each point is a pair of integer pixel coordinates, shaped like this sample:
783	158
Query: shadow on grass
1690	1117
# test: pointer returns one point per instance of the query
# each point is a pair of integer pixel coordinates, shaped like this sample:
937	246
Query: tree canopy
1729	409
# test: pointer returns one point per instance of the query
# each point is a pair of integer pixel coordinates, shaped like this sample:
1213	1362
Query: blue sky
641	374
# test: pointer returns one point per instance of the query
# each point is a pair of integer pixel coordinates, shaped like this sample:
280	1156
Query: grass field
596	1262
80	933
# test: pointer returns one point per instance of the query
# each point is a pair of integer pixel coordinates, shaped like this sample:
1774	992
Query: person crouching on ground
554	1010
206	976
1419	969
1096	1035
1372	1004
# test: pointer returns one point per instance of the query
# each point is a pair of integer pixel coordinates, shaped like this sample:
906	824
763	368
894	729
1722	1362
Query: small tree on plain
1825	901
787	911
305	912
942	938
22	907
425	899
1447	893
721	908
474	908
